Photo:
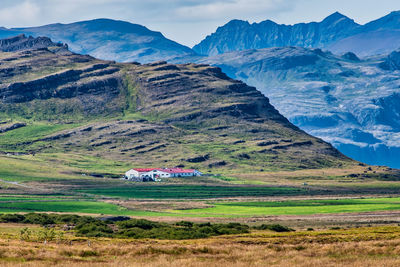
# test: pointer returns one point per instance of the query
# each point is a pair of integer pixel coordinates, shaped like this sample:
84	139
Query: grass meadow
372	246
297	207
193	191
211	209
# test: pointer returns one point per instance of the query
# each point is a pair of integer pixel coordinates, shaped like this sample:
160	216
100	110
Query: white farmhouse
151	174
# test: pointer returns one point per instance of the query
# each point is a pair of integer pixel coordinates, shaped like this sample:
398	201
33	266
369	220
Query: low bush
132	228
12	218
45	219
94	229
274	227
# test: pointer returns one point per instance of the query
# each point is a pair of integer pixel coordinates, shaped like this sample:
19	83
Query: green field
298	207
90	207
34	198
193	191
12	204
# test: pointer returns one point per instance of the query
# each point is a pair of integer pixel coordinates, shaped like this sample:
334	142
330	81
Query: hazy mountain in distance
376	37
109	40
336	33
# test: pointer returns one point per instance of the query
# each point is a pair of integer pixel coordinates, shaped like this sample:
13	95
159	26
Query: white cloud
231	8
25	12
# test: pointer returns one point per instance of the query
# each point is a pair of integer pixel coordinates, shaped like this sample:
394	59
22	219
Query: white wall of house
186	174
155	173
132	174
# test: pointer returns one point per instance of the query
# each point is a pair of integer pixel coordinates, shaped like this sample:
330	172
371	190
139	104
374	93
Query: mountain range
125	42
348	99
336	33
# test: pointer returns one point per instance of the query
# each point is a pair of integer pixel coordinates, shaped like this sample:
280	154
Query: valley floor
342	217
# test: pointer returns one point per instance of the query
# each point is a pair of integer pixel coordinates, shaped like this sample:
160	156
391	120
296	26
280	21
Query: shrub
47	234
185	224
14	218
39	218
138	223
25	234
132	228
94	229
274	227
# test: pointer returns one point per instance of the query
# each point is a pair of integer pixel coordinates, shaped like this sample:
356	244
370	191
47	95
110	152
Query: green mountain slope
80	112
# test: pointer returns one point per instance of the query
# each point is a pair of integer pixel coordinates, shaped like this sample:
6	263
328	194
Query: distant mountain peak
237	21
335	17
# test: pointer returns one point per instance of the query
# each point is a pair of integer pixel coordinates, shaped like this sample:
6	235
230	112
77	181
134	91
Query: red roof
168	170
144	169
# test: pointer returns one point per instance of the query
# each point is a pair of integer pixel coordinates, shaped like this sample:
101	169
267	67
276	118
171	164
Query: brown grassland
371	246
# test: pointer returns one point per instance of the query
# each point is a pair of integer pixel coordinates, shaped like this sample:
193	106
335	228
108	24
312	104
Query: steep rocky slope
154	114
351	103
241	35
108	39
336	33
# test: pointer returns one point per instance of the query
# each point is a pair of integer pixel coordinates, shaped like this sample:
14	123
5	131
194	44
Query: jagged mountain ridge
336	33
153	114
109	40
22	42
351	103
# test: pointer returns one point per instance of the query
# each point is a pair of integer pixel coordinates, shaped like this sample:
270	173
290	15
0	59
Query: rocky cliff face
21	42
336	33
351	103
240	35
159	114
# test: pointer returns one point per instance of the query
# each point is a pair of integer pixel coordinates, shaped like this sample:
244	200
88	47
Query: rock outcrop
21	42
392	62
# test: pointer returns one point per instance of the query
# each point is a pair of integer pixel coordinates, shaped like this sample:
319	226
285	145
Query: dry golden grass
374	246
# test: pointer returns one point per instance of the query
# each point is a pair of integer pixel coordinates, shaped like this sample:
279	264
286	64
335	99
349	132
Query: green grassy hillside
88	115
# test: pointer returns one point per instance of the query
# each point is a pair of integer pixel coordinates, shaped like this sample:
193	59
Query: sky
187	21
